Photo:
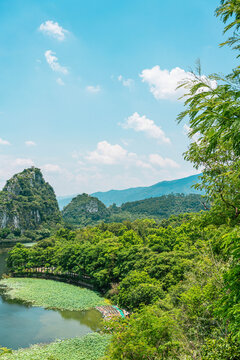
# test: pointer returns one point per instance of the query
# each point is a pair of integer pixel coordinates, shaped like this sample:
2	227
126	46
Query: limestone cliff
27	201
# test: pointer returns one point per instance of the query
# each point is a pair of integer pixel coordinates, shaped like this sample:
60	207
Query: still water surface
22	325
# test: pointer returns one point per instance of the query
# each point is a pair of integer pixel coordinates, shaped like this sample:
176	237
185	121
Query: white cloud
60	82
142	123
30	143
23	162
143	164
51	168
53	29
107	154
4	142
52	61
158	160
163	83
126	82
93	89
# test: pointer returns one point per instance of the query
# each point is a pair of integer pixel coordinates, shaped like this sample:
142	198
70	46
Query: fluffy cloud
143	164
93	89
23	162
52	61
142	123
126	82
163	83
51	168
107	154
53	29
4	142
158	160
30	143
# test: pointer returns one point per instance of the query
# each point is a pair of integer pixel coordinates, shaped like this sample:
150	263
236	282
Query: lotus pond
36	311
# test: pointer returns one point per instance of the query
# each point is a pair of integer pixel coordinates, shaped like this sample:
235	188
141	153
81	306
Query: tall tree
212	105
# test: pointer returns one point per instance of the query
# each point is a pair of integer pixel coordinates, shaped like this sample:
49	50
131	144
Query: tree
214	115
137	289
213	108
149	334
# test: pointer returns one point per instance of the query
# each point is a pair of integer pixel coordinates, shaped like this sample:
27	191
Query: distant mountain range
179	186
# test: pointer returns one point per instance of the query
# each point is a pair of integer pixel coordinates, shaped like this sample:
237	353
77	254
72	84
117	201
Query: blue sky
87	88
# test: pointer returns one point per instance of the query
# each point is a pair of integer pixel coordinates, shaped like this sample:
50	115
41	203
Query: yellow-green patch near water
89	347
51	294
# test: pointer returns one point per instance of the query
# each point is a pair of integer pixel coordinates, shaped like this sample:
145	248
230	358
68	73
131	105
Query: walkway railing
52	273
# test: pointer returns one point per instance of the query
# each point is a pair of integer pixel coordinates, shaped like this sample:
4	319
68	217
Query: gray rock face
92	207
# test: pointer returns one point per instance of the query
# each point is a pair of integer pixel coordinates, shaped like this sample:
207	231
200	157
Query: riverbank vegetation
51	294
89	347
173	277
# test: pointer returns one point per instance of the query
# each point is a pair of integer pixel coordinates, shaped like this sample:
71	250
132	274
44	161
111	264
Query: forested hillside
118	197
164	206
86	210
27	204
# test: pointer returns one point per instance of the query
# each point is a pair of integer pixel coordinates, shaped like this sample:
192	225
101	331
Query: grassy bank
51	294
89	347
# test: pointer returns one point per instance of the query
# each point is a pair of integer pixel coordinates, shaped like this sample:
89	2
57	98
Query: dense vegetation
173	276
28	207
86	210
164	206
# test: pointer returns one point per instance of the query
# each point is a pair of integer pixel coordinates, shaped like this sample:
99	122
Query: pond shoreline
89	347
51	294
94	343
45	310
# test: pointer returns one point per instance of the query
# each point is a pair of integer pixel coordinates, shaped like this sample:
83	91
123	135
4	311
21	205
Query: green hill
27	203
118	197
165	206
87	210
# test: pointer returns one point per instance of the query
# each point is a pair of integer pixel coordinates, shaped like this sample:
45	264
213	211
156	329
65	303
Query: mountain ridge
177	186
86	210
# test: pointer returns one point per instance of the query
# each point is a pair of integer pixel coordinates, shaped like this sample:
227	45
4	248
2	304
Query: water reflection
90	318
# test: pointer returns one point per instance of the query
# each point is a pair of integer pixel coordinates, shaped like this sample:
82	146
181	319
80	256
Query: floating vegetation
51	294
89	347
